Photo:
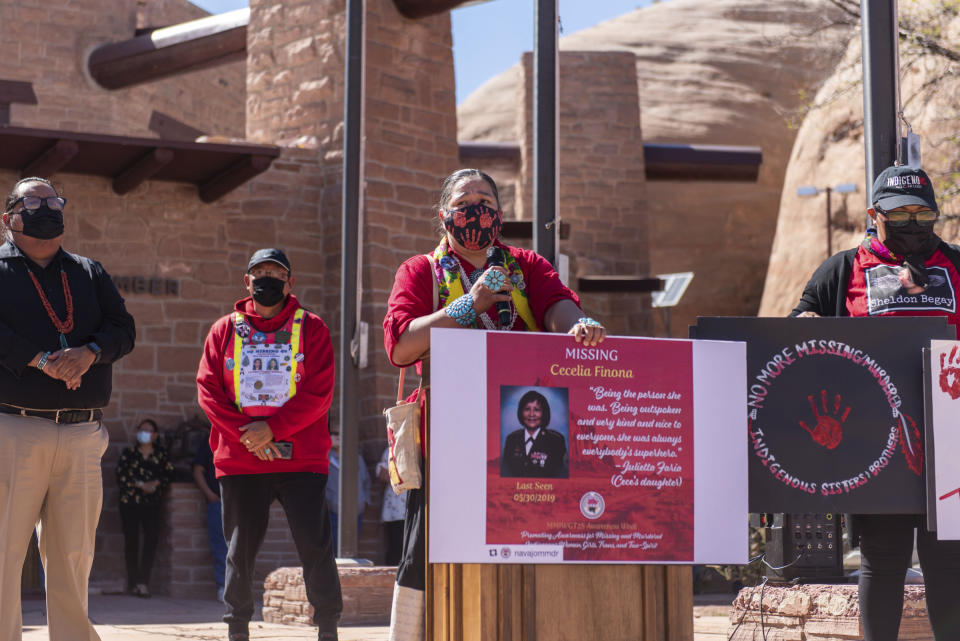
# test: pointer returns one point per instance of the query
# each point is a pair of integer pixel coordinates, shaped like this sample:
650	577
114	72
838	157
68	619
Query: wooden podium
489	602
575	602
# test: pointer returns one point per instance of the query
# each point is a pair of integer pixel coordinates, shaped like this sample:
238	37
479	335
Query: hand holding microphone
495	259
493	287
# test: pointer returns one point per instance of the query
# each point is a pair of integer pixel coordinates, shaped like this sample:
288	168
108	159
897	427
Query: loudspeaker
804	547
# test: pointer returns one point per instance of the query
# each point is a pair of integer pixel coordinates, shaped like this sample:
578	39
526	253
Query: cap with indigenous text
903	185
269	255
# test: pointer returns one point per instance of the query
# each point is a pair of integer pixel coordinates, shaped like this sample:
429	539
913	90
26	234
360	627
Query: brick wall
294	96
411	145
295	92
163	230
601	177
47	43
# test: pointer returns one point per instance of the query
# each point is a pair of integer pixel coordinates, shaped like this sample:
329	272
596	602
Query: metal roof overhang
215	168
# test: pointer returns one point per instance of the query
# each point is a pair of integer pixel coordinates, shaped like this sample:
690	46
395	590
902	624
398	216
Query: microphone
495	259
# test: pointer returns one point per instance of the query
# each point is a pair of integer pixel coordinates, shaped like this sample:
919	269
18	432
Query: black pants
246	511
393	535
134	518
412	569
886	547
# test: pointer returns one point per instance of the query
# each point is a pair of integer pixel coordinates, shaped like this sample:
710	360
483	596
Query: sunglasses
33	203
267	273
925	217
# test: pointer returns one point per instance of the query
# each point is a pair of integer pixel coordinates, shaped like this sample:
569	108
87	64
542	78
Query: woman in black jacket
143	474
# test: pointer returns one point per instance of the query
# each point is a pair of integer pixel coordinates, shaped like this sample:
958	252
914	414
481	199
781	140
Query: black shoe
238	632
327	631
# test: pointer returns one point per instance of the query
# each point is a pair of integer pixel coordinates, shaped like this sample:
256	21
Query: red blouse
412	295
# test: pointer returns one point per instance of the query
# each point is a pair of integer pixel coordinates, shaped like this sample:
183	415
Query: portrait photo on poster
534	432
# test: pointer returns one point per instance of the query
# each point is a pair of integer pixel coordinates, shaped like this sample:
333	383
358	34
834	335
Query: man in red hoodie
270	438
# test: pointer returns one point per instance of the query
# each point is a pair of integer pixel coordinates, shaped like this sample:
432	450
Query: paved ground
126	618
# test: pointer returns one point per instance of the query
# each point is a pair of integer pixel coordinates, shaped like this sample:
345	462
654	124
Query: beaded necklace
65	326
450	278
468	285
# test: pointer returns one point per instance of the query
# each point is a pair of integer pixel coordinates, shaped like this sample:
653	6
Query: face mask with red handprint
473	226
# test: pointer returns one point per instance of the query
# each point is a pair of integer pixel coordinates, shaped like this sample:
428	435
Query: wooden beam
190	46
415	9
17	91
485	150
52	160
169	128
701	162
141	170
234	176
619	284
523	229
14	91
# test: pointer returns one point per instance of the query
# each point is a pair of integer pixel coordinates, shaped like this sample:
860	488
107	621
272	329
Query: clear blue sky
488	38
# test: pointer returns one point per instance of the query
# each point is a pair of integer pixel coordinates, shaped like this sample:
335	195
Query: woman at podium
470	280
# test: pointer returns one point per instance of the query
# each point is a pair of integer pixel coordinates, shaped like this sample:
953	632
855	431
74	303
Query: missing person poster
835	410
943	434
546	451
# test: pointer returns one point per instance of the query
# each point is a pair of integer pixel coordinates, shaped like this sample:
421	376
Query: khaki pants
50	474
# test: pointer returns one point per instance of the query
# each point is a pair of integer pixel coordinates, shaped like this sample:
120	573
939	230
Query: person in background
858	282
392	513
333	488
270	437
143	475
62	326
205	476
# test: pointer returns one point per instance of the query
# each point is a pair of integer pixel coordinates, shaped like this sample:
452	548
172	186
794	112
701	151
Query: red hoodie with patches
302	420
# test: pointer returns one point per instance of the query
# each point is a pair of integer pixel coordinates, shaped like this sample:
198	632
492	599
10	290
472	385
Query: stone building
277	117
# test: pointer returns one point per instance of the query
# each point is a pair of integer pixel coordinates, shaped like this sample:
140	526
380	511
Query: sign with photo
943	438
835	410
546	451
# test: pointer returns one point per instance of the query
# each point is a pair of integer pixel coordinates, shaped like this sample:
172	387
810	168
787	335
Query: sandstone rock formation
729	72
829	149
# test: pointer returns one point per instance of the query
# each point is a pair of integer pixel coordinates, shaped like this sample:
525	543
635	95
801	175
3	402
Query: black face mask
912	239
473	226
42	223
268	291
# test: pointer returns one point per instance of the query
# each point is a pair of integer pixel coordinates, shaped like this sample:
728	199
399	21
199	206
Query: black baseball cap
269	255
903	185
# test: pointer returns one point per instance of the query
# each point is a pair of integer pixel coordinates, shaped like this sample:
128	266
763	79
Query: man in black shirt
62	324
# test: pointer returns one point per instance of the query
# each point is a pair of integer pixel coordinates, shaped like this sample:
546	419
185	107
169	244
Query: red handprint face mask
473	226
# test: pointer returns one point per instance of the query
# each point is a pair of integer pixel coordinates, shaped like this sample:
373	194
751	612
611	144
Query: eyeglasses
33	203
268	273
899	218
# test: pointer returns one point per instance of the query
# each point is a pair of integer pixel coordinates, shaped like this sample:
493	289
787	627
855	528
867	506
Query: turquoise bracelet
462	311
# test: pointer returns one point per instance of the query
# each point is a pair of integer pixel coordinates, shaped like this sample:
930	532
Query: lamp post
810	190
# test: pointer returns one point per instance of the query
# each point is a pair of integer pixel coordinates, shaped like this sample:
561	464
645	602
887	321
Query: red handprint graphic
828	431
950	374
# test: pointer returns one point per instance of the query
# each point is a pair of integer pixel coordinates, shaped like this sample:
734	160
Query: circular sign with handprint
825	418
